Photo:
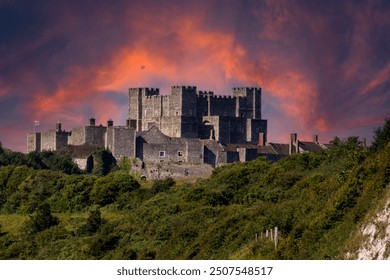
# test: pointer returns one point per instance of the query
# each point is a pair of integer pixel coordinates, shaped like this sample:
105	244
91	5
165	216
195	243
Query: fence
271	234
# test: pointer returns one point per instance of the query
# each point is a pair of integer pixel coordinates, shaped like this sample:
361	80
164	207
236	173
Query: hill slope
319	202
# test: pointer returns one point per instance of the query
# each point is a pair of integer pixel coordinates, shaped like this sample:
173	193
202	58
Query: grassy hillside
318	201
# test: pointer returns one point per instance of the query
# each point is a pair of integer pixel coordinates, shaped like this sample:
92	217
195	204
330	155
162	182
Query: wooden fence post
276	237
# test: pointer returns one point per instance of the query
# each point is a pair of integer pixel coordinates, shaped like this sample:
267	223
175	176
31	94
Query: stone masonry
188	113
185	127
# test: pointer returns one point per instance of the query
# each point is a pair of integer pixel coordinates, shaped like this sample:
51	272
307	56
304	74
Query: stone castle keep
185	133
188	113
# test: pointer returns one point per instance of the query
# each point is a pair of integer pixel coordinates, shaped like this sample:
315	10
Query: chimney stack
315	139
92	121
294	146
110	123
262	139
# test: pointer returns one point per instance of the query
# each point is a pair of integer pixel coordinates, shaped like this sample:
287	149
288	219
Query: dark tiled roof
280	149
234	147
310	146
266	150
327	146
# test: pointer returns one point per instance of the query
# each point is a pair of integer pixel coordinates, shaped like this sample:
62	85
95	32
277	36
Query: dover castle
185	133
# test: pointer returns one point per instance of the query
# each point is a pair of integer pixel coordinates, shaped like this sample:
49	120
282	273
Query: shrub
42	219
162	185
381	137
93	223
100	162
107	189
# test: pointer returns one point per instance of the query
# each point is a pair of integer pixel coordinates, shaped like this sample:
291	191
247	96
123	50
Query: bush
93	223
381	137
42	219
162	185
107	189
100	163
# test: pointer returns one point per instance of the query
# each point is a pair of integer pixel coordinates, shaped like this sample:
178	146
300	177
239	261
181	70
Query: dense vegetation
317	200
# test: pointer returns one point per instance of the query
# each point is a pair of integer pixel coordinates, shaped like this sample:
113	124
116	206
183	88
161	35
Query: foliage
101	162
40	160
42	219
162	185
317	200
381	136
93	223
108	188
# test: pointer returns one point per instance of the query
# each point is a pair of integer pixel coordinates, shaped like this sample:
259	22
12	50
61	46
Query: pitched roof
280	149
153	135
310	146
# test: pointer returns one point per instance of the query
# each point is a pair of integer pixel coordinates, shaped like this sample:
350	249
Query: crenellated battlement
223	97
184	87
245	91
144	91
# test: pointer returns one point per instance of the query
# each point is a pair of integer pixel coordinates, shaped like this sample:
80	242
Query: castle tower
142	103
234	118
248	102
33	142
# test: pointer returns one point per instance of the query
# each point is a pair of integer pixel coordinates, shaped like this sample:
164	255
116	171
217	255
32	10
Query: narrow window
180	153
162	153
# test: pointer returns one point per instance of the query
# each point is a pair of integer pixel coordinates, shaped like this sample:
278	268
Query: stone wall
171	151
91	135
247	154
248	102
81	163
176	170
52	140
95	135
254	128
48	140
120	140
61	139
222	105
33	142
183	113
194	150
77	136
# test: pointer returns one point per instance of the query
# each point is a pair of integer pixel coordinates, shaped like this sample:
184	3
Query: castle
191	131
188	113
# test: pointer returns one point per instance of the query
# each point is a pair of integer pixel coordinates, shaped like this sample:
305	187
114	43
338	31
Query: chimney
315	139
110	123
58	126
92	121
294	137
293	144
262	139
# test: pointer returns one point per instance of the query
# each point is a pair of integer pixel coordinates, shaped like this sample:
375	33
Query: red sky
323	66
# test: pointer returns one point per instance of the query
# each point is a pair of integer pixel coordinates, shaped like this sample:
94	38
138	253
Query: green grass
12	223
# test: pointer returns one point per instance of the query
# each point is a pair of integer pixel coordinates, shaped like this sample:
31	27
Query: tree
381	136
40	220
108	188
162	185
100	162
93	223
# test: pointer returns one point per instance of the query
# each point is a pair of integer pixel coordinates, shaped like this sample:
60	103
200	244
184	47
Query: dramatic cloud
323	65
